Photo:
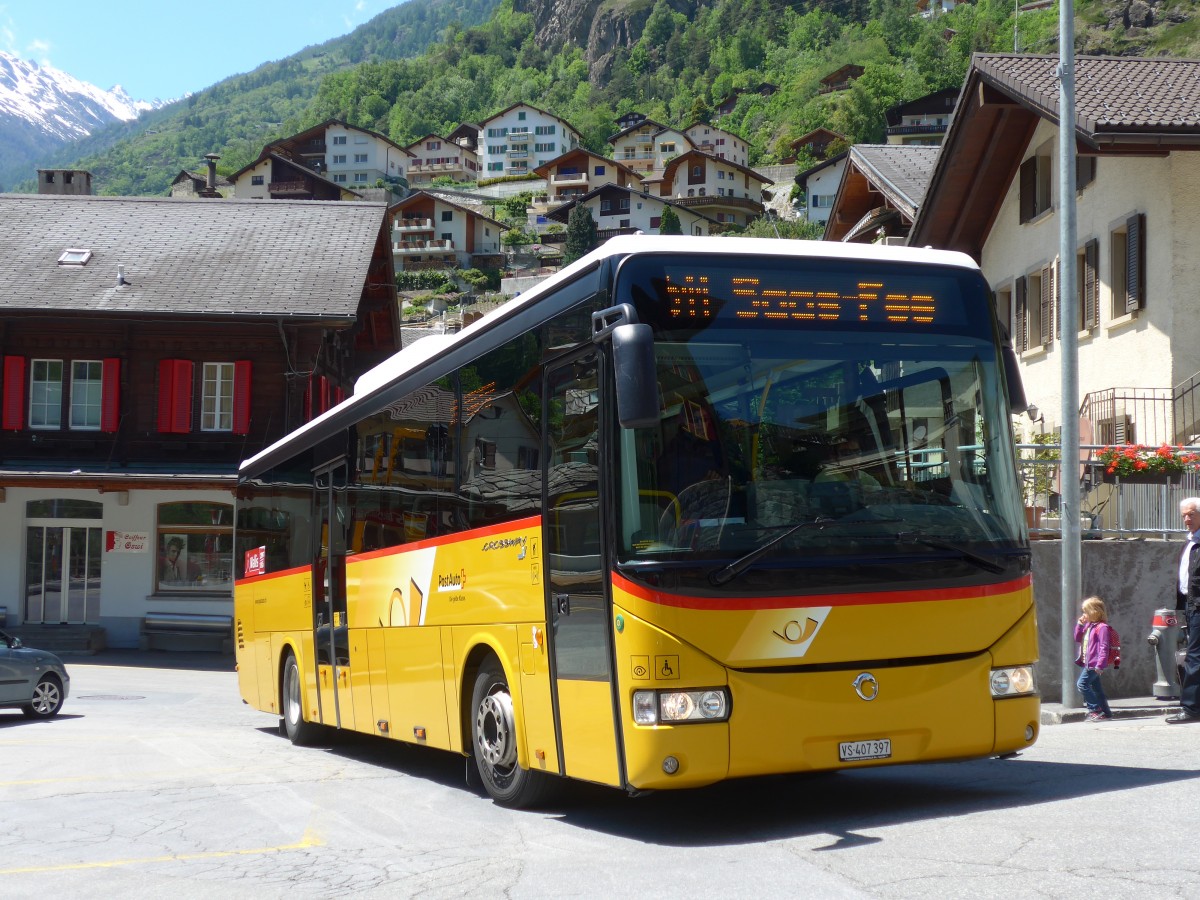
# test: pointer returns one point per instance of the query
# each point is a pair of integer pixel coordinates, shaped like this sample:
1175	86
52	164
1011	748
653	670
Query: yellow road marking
309	840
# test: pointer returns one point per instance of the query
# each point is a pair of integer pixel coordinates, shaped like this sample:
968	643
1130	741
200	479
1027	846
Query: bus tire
291	694
494	743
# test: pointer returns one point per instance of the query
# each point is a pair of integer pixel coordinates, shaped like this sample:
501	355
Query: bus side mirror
637	386
1017	401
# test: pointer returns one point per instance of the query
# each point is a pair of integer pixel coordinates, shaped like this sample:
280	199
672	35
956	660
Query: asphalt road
157	781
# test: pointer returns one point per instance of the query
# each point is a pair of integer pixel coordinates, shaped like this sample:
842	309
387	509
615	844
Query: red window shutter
308	399
174	396
110	395
322	394
241	397
338	395
14	393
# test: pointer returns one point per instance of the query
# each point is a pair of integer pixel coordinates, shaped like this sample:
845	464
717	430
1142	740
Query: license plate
852	751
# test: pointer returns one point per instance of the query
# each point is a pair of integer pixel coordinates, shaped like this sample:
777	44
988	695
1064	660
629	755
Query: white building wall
1158	346
564	139
127	580
245	189
382	158
725	145
825	185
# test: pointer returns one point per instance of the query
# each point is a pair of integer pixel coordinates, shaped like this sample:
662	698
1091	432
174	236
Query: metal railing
1109	507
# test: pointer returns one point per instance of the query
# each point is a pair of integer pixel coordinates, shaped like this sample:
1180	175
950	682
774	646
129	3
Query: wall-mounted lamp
1035	414
122	498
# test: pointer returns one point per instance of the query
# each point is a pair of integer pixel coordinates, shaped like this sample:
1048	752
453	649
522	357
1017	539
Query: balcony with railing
436	246
518	154
292	188
1111	507
413	224
917	129
572	178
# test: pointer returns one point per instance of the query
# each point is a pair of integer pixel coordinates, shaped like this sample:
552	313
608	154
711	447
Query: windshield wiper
911	537
727	573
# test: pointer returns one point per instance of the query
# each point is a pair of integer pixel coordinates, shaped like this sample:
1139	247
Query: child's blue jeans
1092	692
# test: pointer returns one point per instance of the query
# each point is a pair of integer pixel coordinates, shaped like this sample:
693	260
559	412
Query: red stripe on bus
684	601
457	537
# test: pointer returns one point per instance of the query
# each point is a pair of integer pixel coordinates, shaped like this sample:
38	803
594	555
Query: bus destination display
691	298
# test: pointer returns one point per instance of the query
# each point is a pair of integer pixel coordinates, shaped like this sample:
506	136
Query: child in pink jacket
1092	635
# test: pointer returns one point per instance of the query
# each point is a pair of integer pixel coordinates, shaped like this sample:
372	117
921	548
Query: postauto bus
695	508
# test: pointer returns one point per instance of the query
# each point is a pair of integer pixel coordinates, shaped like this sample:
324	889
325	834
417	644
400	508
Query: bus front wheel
494	743
297	729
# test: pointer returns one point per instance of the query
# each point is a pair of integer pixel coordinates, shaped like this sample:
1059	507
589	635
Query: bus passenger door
332	639
579	617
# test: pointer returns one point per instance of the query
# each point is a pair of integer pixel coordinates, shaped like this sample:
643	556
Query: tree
669	223
581	234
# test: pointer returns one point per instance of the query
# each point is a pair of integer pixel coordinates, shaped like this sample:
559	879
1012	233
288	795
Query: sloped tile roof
209	257
1112	93
901	173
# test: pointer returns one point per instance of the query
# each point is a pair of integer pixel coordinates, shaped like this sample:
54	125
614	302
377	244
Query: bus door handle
562	602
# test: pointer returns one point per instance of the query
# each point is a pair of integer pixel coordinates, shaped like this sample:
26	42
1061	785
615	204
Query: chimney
210	189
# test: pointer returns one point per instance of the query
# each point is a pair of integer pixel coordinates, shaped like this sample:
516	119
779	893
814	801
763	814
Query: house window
195	547
360	177
45	393
1035	186
667	148
339	139
720	174
360	157
435	145
495	167
216	399
87	383
696	171
447	215
339	159
49	178
1036	294
1085	171
544	148
521	116
599	170
447	237
1128	260
624	204
605	205
256	179
624	223
339	178
1088	284
544	129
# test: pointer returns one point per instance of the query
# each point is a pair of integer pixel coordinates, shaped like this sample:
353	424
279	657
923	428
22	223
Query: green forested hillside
679	67
237	116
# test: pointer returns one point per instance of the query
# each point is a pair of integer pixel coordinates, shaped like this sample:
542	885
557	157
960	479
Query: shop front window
195	547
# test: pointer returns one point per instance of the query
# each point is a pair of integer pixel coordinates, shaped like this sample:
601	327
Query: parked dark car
34	681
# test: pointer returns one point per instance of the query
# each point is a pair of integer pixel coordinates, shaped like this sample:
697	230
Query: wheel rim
291	702
494	732
45	698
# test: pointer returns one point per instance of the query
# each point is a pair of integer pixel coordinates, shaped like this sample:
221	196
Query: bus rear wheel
494	743
298	730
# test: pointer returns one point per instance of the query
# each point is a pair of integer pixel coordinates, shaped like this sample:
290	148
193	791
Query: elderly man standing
1188	600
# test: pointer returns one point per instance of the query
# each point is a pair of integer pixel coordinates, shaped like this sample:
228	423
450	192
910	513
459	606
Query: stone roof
252	258
899	172
1112	93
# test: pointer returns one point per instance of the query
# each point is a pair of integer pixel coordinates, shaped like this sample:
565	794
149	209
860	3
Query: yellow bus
692	509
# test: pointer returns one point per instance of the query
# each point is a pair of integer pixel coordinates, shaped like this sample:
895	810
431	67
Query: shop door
62	572
579	613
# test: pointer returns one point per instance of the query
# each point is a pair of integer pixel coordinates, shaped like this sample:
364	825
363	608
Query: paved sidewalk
1125	708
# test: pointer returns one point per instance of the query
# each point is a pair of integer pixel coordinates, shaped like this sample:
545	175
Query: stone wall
1134	578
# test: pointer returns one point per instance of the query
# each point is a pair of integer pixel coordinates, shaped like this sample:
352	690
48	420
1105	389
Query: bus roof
433	346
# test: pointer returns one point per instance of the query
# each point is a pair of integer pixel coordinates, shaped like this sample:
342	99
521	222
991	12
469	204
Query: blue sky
137	43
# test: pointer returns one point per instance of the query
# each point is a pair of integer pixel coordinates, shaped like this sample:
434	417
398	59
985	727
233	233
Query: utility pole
1069	314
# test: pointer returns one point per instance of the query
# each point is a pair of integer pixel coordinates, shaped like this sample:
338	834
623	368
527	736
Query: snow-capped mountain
59	105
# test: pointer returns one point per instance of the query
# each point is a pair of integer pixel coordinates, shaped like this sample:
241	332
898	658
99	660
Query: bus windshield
806	441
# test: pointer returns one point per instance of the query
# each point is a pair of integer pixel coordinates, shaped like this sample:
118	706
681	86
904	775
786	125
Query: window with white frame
256	179
339	159
360	177
87	394
45	393
1035	184
360	157
216	398
339	178
339	139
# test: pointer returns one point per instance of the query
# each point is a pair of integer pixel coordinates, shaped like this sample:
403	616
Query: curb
1054	714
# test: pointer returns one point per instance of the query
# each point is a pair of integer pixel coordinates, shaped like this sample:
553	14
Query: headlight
1013	682
676	707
